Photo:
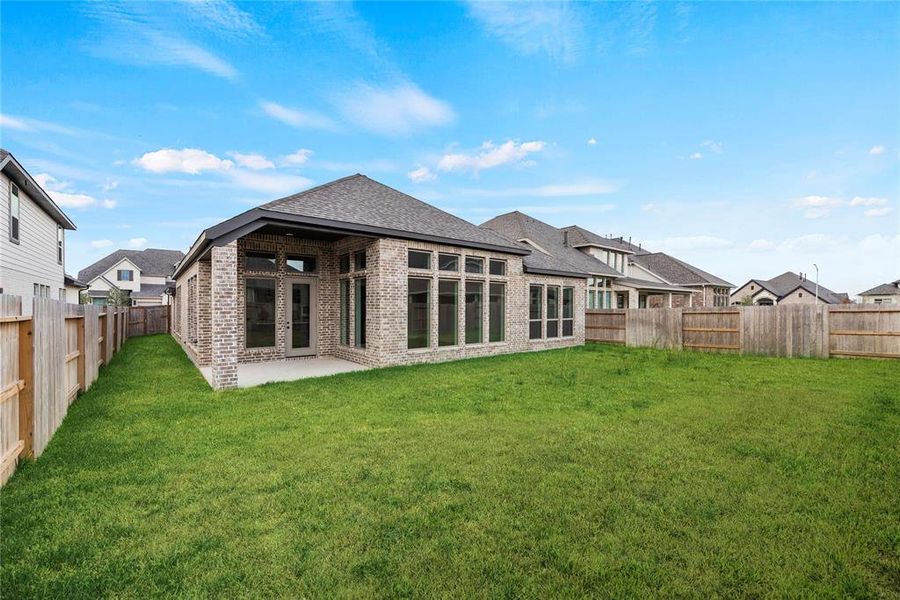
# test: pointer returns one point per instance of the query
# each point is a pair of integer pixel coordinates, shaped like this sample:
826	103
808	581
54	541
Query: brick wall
225	322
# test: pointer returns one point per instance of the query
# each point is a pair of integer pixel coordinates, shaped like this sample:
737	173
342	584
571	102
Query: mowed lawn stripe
597	470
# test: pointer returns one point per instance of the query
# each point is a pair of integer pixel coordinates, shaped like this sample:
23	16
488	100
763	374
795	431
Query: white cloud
137	242
860	201
269	183
555	29
101	243
421	175
394	111
690	243
63	196
557	190
187	160
592	142
295	159
35	125
762	245
811	243
110	184
295	117
257	162
490	156
816	207
696	156
876	150
879	212
712	146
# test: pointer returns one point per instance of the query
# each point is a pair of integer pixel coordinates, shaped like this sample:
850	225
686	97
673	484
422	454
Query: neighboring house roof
556	257
153	262
72	282
356	205
885	289
645	284
788	282
150	290
15	171
676	271
580	237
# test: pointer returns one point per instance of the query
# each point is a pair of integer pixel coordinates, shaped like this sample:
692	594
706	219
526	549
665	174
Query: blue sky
746	138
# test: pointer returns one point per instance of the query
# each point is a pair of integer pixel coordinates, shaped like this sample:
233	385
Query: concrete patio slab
259	373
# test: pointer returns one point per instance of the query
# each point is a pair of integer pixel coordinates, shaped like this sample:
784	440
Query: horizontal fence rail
783	330
47	358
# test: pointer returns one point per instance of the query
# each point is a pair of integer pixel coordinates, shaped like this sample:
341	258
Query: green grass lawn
598	470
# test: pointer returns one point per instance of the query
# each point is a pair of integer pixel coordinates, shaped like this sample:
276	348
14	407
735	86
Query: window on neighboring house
125	275
13	212
344	263
552	311
259	261
419	259
62	294
345	311
497	267
448	304
474	264
535	324
448	262
474	312
59	244
418	320
497	312
568	311
359	316
300	264
259	301
592	299
359	259
37	290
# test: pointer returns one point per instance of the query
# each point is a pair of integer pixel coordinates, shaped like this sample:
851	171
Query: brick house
357	270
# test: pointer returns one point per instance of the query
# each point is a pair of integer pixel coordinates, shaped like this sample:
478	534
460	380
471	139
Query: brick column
225	316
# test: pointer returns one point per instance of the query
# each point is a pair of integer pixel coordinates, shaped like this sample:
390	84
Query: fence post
26	394
79	329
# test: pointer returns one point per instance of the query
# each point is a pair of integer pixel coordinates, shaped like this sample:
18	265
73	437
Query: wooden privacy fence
46	359
783	330
144	320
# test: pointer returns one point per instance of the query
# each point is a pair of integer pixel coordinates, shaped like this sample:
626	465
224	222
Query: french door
301	300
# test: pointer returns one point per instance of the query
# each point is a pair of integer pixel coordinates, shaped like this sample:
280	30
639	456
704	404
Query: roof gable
15	171
885	289
155	262
676	271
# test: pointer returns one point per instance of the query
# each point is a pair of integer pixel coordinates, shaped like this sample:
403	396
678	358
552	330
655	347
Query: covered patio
258	373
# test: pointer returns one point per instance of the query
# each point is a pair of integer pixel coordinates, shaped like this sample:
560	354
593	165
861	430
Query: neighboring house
787	288
74	287
360	271
646	279
886	293
33	238
137	277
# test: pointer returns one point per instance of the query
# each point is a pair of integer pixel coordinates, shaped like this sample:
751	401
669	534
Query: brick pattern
225	322
221	317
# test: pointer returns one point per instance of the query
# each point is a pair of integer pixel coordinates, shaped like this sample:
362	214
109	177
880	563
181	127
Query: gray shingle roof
69	280
789	281
154	262
362	201
561	258
676	271
885	289
578	236
150	290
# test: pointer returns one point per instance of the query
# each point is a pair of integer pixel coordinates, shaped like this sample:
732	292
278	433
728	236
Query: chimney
565	237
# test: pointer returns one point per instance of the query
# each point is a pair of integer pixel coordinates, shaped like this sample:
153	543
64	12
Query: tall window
13	212
125	275
474	312
568	311
552	311
535	325
497	312
359	260
345	311
359	313
300	264
259	298
59	244
344	263
448	302
497	267
448	262
418	313
720	296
